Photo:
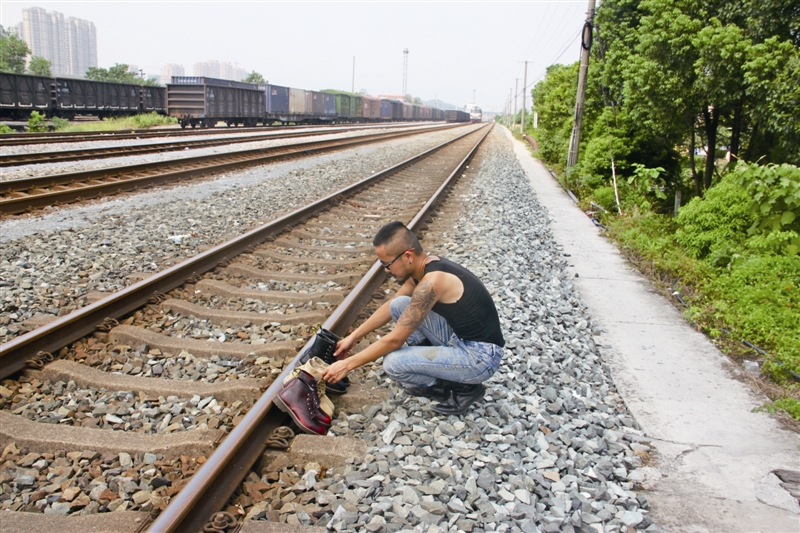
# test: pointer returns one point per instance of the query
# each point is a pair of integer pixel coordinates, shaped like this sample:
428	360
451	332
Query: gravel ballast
48	263
552	446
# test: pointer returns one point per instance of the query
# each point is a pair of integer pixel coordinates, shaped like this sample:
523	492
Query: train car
317	101
68	97
330	104
75	96
386	109
344	107
277	101
408	111
371	108
153	99
201	101
20	94
297	101
453	115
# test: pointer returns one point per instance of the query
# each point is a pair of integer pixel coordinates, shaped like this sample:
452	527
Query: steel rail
58	156
15	354
210	488
17	139
168	171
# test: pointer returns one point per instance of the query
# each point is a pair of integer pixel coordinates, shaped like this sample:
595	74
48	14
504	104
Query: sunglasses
387	265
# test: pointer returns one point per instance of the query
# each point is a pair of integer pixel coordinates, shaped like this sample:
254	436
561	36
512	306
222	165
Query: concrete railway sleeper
19	196
34	158
128	414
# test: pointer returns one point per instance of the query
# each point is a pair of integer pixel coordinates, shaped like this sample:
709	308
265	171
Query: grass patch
755	299
135	122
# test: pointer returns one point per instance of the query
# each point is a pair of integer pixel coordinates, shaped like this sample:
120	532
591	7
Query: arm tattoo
421	303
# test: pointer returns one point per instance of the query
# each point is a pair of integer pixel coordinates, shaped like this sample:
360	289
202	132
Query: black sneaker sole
446	408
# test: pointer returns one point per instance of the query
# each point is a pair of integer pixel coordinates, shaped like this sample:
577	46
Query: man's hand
335	372
344	346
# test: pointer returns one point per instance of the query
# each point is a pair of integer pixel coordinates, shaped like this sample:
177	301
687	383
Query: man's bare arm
381	316
422	301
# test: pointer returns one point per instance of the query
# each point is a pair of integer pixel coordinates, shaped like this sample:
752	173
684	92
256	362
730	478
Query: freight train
68	97
200	102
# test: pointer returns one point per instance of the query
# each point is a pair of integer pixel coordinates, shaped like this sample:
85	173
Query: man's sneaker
461	397
438	391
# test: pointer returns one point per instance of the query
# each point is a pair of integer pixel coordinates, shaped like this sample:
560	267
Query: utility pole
586	46
405	73
516	91
473	97
509	107
524	90
353	83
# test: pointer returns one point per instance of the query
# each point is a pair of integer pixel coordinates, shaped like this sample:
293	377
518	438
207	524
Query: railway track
22	195
265	290
34	158
18	139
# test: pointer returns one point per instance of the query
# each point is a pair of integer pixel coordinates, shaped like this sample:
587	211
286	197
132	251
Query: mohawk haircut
397	237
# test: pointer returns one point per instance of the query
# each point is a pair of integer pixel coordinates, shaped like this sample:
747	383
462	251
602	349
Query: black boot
324	347
461	396
438	391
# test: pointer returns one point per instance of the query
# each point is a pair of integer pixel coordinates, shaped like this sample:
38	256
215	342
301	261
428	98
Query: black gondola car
20	94
452	115
67	97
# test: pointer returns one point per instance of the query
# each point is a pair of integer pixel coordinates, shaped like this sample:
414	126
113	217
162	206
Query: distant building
70	44
169	70
215	69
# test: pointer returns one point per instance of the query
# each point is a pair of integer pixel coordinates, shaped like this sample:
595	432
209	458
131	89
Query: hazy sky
454	47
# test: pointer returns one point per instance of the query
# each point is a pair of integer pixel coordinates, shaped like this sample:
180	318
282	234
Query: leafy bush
59	123
775	205
4	128
37	123
758	298
604	196
717	222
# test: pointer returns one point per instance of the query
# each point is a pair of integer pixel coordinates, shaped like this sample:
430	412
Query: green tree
118	73
13	52
554	101
39	66
254	77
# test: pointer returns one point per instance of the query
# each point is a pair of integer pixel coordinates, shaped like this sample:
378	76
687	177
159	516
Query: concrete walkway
715	455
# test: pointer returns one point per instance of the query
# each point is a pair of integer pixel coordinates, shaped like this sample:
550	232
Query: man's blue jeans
449	358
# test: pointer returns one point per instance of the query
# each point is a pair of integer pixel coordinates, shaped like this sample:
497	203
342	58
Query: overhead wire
563	49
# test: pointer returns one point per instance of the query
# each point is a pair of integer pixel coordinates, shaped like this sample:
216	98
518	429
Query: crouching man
445	315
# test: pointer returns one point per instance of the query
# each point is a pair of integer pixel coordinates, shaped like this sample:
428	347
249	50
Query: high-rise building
169	70
70	44
215	69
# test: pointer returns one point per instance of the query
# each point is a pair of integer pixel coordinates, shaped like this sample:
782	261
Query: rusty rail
167	171
58	156
209	488
16	354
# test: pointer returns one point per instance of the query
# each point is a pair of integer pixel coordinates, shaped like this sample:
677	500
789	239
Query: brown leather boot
299	399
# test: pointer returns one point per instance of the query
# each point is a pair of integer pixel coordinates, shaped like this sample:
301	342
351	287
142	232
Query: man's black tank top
474	316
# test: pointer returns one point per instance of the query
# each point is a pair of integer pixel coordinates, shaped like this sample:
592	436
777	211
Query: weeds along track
156	401
25	195
56	156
